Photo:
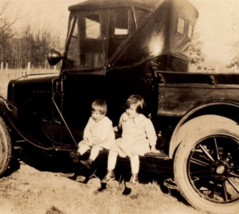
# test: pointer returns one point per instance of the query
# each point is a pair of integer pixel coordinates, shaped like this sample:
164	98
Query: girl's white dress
99	133
138	134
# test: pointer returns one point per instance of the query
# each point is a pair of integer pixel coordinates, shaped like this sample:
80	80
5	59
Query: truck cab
112	49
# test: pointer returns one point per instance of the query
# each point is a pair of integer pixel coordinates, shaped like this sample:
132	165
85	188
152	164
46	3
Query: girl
138	138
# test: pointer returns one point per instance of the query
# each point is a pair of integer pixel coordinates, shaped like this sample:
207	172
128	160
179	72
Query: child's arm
119	127
116	129
107	129
153	149
151	135
120	123
95	140
86	134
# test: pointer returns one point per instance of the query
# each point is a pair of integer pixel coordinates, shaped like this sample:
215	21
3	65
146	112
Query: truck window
73	50
120	27
190	31
93	27
87	40
141	16
181	24
124	22
121	24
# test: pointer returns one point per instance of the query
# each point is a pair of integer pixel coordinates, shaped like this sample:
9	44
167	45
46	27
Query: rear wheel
206	168
5	147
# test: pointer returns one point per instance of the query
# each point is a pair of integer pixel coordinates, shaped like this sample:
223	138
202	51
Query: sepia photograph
119	106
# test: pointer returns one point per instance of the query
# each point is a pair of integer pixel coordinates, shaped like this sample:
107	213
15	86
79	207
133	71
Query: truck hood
31	84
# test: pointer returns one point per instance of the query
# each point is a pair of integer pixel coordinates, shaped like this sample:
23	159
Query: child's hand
94	140
116	129
154	150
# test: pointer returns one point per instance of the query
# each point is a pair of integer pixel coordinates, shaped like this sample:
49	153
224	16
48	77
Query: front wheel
5	147
206	168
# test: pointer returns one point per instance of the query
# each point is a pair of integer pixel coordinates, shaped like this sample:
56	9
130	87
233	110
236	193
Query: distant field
8	74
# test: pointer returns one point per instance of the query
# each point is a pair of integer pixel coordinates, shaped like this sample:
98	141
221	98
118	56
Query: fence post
28	67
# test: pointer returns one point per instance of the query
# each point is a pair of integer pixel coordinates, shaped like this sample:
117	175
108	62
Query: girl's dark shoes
109	177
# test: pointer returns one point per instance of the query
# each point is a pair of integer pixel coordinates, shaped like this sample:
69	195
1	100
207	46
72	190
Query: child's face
131	111
97	116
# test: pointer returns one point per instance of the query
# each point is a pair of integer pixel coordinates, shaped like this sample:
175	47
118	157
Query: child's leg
83	148
93	155
112	158
134	161
94	152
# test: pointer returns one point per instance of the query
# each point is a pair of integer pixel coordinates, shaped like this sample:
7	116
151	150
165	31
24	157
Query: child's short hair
99	105
136	100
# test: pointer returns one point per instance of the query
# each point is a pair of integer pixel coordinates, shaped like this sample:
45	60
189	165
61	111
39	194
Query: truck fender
184	129
9	113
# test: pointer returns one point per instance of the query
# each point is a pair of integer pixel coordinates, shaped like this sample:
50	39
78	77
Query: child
98	133
138	138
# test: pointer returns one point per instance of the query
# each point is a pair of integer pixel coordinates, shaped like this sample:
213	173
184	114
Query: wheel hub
220	170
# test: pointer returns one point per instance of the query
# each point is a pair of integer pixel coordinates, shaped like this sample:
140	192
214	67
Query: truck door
93	39
84	74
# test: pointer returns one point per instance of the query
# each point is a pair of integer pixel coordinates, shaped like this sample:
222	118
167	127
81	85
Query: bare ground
34	184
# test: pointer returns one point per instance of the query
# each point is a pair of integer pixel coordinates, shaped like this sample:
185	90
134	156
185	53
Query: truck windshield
95	36
86	42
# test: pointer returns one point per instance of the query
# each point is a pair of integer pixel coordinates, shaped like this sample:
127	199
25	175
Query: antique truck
116	48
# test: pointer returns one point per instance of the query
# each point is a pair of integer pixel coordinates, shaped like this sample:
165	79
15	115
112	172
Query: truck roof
150	5
167	31
160	36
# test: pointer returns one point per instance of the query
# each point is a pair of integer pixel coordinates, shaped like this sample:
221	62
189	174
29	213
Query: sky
218	22
218	26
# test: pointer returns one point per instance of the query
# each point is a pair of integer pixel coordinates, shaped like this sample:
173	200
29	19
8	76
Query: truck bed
179	92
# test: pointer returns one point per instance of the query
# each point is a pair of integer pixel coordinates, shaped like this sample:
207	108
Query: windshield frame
74	22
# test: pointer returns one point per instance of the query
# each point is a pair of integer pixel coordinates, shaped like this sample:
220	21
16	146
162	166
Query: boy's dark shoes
109	177
75	156
88	163
103	187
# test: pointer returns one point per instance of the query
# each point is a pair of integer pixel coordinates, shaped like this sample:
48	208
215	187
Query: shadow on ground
60	162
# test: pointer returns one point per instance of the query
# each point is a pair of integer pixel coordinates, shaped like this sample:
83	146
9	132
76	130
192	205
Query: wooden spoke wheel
206	168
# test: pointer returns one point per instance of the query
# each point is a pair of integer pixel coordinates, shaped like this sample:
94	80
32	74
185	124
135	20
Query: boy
98	134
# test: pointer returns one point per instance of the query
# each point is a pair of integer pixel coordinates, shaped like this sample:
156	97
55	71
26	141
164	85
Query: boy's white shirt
98	131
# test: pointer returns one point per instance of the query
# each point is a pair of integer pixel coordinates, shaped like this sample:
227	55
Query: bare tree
234	54
30	45
6	20
196	50
6	33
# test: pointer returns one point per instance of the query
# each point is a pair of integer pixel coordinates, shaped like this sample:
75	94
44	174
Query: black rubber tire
5	147
182	171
